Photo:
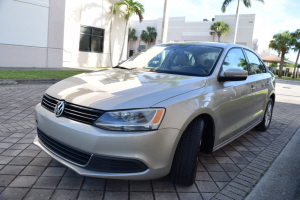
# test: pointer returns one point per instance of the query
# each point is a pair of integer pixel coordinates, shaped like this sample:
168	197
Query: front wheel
265	123
185	160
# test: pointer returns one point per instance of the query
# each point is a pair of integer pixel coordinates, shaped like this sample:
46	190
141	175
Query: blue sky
280	14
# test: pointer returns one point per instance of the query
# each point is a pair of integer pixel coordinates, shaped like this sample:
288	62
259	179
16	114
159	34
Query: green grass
96	67
37	74
288	78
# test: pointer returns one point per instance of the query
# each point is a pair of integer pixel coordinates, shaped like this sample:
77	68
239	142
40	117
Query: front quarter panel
182	109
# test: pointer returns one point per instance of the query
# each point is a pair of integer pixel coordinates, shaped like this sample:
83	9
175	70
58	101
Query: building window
91	39
131	53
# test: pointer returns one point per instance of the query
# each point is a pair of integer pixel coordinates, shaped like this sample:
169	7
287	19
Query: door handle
268	82
252	88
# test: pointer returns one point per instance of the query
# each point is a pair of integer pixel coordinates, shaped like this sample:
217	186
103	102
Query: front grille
90	161
64	151
73	111
115	165
49	102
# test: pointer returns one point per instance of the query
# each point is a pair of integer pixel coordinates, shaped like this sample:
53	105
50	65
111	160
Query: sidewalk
282	180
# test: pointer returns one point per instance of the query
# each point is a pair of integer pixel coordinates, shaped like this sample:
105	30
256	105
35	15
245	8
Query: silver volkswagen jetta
150	115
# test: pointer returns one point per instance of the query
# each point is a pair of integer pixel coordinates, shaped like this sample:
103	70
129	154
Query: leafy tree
247	3
220	28
273	65
149	35
131	34
131	7
287	63
275	47
243	63
296	47
282	41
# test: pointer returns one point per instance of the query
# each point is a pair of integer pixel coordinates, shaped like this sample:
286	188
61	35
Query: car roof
214	44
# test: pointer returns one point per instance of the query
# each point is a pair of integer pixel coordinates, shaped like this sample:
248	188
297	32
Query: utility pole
165	22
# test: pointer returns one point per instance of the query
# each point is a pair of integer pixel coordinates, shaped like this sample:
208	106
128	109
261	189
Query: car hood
123	89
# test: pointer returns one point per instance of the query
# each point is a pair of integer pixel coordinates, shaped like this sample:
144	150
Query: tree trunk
236	22
281	64
128	48
296	63
125	33
164	30
110	43
219	36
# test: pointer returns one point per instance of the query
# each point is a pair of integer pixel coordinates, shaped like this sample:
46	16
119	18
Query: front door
236	109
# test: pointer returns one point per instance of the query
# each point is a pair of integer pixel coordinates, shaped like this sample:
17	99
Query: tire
265	123
185	160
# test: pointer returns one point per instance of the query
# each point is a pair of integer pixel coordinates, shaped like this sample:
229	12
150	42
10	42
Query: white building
58	33
76	33
252	32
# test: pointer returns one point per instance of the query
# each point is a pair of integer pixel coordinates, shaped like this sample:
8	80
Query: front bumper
154	149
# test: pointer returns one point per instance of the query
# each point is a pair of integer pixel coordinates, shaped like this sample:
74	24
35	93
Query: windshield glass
185	59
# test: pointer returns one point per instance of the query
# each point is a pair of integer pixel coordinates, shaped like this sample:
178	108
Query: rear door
262	78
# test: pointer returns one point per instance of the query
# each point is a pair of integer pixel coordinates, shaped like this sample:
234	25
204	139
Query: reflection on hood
121	88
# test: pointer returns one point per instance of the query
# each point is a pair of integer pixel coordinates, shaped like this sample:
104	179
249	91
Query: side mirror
234	74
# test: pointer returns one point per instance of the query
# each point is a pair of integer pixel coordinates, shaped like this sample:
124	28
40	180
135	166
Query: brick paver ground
229	173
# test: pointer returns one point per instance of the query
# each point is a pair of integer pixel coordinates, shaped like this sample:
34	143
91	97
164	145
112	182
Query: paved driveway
229	173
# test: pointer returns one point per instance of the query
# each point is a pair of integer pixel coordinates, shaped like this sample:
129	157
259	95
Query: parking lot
229	173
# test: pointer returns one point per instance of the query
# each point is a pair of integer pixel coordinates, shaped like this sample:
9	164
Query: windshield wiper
119	67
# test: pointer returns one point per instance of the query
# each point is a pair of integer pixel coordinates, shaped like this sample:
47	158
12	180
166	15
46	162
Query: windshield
185	59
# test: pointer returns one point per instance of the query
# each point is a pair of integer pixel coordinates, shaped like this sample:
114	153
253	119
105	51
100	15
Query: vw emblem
59	108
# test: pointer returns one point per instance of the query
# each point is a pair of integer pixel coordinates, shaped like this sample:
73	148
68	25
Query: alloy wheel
268	114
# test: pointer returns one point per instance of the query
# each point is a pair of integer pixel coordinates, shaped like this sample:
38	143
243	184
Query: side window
235	59
256	67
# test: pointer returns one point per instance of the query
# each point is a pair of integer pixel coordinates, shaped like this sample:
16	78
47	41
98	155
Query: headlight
131	120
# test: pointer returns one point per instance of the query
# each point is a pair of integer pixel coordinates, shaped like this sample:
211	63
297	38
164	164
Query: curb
28	81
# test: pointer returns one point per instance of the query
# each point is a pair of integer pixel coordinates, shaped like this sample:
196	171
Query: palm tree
296	36
274	45
131	7
149	35
247	3
220	28
282	42
131	34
